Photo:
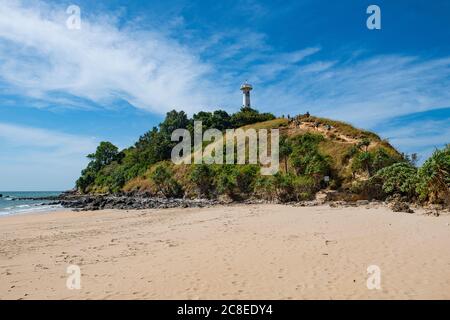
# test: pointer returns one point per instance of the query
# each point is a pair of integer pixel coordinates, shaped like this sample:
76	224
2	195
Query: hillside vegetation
315	153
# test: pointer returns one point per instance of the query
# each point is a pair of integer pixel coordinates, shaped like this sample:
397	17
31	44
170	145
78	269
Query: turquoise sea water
10	205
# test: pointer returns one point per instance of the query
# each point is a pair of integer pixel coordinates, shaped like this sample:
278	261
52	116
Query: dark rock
433	213
312	203
99	202
362	202
399	206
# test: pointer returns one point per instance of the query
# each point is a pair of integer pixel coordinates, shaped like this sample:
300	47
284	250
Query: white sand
234	252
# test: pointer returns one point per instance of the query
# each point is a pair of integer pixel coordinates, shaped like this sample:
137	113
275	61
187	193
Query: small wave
34	209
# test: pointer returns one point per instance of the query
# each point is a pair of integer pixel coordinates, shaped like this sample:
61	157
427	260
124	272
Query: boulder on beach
399	206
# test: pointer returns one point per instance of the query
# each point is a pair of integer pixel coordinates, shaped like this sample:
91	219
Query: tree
153	147
85	180
247	115
156	144
221	120
371	161
105	154
414	159
205	117
382	159
218	119
163	142
174	120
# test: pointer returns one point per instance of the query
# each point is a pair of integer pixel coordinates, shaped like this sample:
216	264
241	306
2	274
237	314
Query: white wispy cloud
152	70
366	91
41	57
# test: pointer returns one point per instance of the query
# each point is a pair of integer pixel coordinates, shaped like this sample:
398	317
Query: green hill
315	154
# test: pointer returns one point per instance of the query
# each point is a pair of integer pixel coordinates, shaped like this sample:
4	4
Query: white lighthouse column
246	88
246	98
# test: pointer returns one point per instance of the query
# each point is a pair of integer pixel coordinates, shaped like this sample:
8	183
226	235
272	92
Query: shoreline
81	203
37	212
411	208
259	251
144	200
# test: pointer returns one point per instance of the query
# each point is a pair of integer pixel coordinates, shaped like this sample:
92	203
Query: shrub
382	159
285	187
362	162
399	178
350	153
245	176
305	157
371	161
116	179
265	187
368	189
225	180
162	176
311	163
304	187
202	176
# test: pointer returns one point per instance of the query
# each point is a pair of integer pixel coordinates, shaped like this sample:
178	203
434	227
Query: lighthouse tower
246	88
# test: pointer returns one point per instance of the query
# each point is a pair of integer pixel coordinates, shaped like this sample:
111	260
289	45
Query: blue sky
62	91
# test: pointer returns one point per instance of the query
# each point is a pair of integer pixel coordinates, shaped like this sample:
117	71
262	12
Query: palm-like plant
285	150
434	177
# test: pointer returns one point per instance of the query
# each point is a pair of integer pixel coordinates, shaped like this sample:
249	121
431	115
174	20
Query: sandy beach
226	252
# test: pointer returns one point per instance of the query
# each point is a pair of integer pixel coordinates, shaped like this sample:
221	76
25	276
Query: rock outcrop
91	202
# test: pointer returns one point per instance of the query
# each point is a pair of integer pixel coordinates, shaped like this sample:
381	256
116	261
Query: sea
10	203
